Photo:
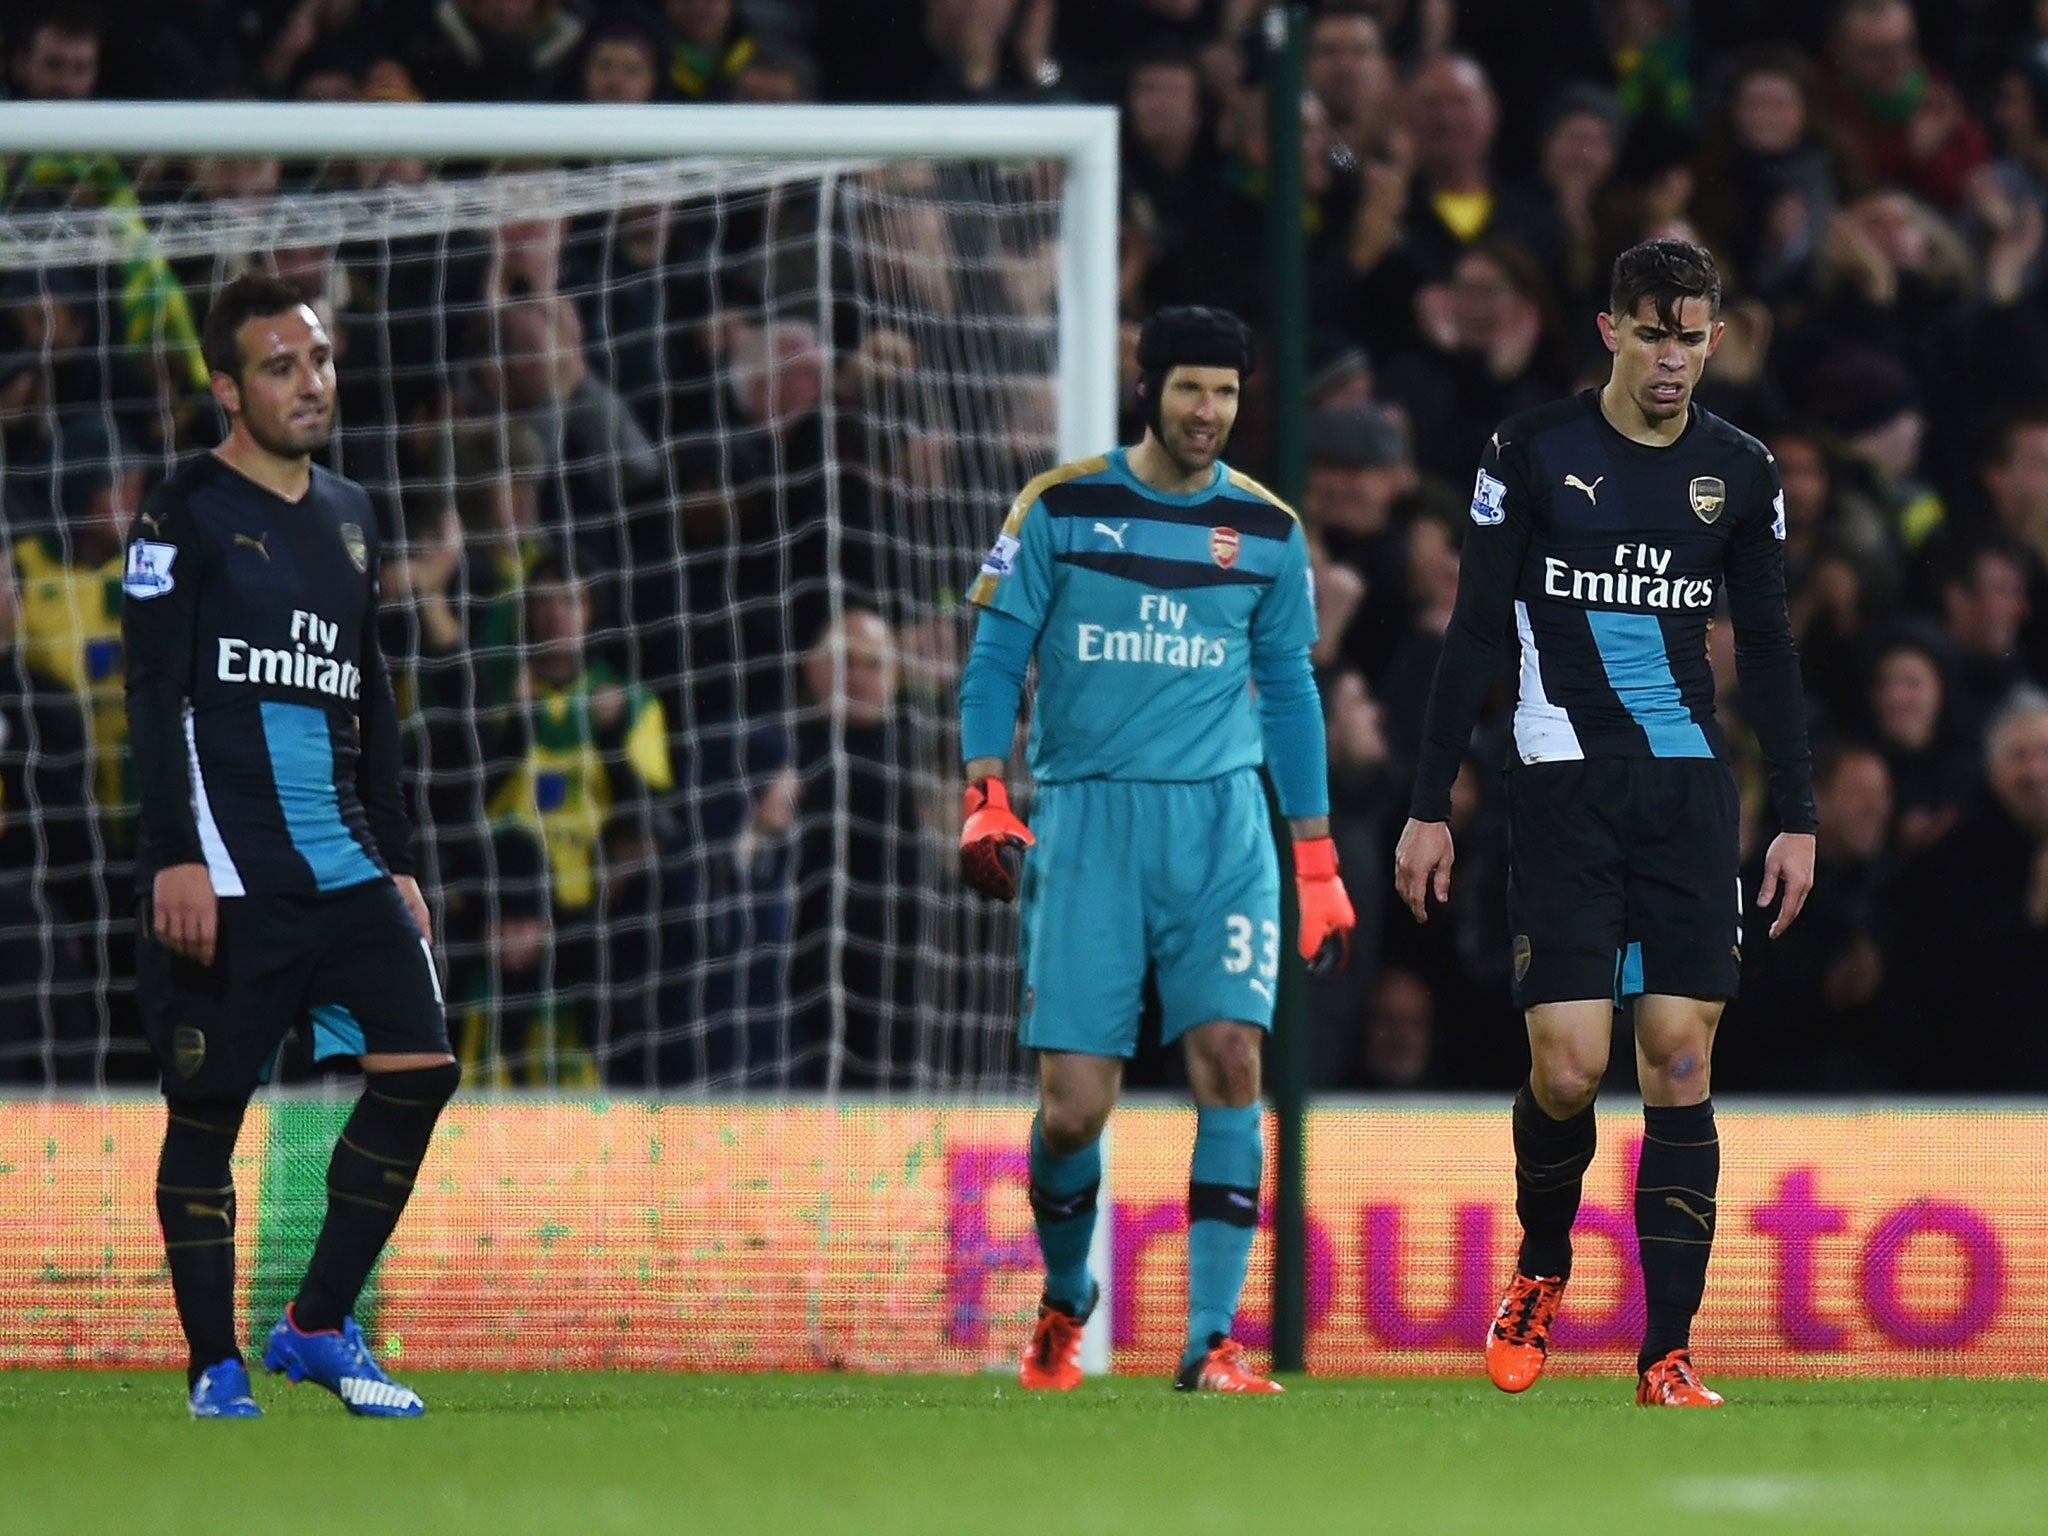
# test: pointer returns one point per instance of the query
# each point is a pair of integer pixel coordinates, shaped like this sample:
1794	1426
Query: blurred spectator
1816	1013
776	76
1651	45
709	44
307	42
2021	117
1400	1034
1976	908
1363	796
1219	262
1482	359
1359	473
579	770
1352	75
621	62
1171	165
1096	43
1556	214
1871	405
49	909
70	611
1933	767
1902	120
615	268
1452	114
1831	619
1766	181
1898	278
1463	954
1339	372
528	362
27	438
1432	590
989	50
852	979
56	52
2014	476
1822	525
1984	606
489	50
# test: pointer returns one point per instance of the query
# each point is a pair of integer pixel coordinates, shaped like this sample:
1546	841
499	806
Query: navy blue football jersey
261	716
1607	559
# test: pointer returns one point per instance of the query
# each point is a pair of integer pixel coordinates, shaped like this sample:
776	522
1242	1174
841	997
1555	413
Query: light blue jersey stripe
1631	647
1628	973
336	1032
302	762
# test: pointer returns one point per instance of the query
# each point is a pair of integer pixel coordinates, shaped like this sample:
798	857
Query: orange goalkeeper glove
992	840
1326	915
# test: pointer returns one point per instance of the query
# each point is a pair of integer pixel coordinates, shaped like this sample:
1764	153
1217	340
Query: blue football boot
340	1361
222	1392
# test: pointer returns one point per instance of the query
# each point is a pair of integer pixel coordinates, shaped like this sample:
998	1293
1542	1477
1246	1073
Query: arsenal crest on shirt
1709	495
1223	546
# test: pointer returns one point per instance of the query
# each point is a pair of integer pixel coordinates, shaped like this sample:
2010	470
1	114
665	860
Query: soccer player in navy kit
1605	528
274	847
1152	586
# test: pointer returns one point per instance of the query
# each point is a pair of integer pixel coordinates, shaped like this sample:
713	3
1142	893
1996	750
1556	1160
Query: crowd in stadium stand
1871	174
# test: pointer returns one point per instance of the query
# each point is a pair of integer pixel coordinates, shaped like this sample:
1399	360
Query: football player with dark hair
274	852
1605	528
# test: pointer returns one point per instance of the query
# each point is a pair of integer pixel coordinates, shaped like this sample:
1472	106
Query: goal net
687	430
684	465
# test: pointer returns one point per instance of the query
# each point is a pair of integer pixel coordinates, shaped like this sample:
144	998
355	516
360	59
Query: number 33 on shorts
1237	950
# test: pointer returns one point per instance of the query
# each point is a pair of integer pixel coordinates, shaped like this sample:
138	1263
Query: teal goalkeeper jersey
1148	609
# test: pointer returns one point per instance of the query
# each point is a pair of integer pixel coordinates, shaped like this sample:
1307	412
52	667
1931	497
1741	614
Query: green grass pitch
108	1451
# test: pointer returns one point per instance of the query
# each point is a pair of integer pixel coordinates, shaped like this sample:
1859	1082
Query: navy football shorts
1624	879
350	963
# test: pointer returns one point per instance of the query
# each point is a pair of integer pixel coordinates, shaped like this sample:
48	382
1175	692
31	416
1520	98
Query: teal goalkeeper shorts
1180	877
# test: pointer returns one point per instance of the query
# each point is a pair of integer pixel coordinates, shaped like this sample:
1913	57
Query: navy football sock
369	1180
195	1205
1676	1181
1551	1159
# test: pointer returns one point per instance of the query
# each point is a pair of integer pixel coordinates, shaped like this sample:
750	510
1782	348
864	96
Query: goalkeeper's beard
1166	440
1193	461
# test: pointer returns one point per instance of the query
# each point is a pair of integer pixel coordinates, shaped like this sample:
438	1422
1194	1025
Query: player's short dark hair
252	296
1666	272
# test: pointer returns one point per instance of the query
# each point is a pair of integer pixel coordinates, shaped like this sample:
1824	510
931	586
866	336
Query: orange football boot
1519	1340
1223	1369
1052	1360
1673	1383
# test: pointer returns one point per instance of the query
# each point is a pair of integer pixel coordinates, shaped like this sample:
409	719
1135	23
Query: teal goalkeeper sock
1063	1193
1223	1215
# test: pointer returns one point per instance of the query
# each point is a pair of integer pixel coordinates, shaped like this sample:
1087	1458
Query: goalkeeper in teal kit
1168	602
